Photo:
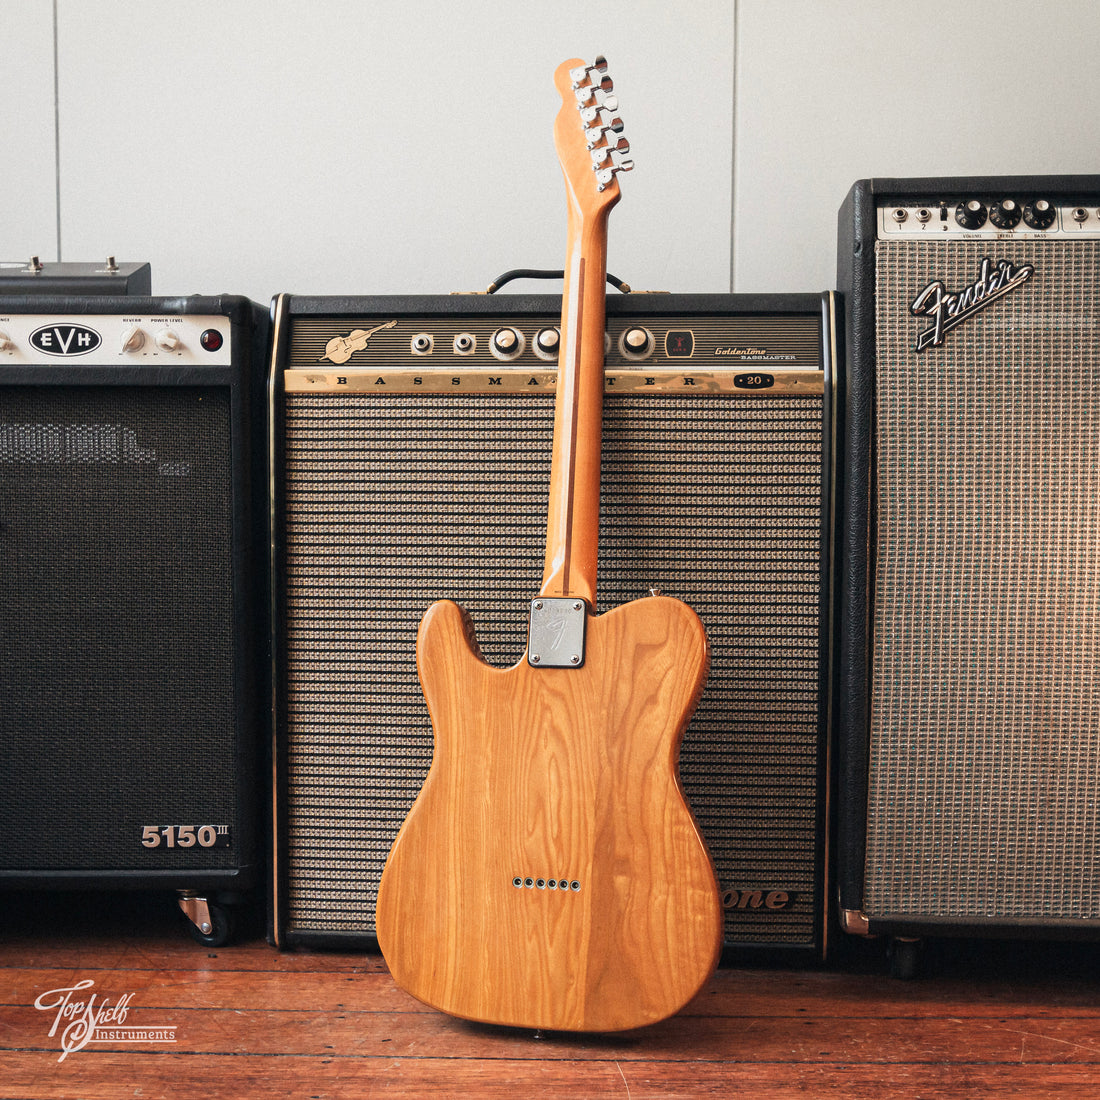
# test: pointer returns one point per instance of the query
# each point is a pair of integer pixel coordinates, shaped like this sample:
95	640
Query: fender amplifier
130	585
411	453
970	705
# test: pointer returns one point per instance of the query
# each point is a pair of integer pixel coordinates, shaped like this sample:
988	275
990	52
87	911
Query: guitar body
566	777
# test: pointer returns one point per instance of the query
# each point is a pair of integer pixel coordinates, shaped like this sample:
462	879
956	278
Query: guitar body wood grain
567	778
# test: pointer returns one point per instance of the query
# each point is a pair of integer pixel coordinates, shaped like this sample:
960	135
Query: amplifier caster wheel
212	924
904	954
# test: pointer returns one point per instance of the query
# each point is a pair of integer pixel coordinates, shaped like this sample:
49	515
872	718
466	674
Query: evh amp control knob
970	215
168	340
133	339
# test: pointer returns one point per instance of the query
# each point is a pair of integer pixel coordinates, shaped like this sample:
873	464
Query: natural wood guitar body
566	776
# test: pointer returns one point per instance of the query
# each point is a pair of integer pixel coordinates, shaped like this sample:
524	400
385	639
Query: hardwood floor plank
331	982
347	1033
233	1077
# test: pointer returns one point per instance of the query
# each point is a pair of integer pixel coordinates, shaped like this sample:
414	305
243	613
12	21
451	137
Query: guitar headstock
588	132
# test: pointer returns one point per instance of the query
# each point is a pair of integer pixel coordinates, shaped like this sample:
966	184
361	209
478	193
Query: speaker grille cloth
397	501
115	637
985	735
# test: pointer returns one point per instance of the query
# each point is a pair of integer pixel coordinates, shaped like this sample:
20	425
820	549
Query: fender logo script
948	309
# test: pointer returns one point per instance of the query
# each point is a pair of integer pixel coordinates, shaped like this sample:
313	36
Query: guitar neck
573	521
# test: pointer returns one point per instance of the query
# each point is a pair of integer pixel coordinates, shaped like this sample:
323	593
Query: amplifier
970	633
129	729
59	279
411	451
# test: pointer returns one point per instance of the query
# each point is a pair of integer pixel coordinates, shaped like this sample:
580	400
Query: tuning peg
596	135
594	111
597	111
580	74
602	128
605	175
608	160
603	152
586	93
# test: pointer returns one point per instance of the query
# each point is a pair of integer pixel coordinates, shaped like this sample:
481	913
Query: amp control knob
970	215
133	339
5	342
1039	214
168	340
1005	214
507	343
547	342
636	343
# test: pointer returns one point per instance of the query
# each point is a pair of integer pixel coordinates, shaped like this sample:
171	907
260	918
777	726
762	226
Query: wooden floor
983	1020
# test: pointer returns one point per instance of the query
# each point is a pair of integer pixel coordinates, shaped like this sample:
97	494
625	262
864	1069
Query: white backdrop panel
396	146
830	93
28	178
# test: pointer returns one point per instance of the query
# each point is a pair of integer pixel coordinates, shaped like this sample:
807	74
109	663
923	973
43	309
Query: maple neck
573	516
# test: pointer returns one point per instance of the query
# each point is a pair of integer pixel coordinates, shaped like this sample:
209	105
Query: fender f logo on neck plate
556	633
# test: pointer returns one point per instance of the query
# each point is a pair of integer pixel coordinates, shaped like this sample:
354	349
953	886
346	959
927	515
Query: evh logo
65	339
948	309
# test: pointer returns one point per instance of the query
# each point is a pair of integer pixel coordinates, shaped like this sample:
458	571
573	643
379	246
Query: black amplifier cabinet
411	454
131	589
970	702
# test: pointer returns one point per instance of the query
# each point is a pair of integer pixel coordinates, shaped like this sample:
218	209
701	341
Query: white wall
397	146
828	93
28	182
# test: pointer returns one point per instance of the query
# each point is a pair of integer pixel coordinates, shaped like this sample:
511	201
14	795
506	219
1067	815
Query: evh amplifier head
969	702
411	449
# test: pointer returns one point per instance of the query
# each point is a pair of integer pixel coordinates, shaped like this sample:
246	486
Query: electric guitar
550	874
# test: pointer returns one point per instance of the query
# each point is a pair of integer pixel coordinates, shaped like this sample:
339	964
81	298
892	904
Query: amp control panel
502	340
140	339
998	216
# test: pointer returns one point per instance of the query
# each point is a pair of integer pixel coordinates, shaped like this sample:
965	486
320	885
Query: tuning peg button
581	73
586	93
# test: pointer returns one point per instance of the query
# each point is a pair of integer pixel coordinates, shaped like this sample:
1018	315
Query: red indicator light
211	340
